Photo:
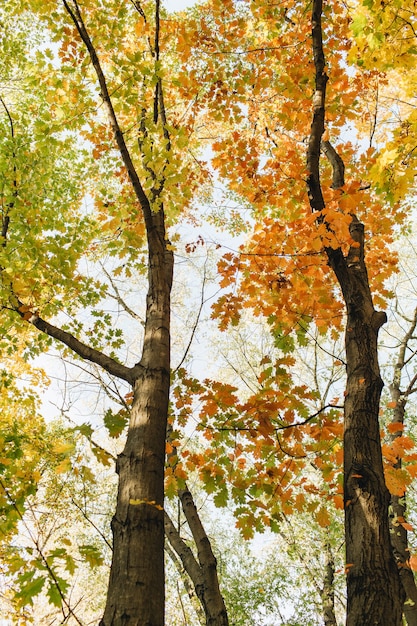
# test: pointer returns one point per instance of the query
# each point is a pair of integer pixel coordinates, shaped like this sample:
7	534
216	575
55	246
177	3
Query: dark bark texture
374	592
136	585
398	507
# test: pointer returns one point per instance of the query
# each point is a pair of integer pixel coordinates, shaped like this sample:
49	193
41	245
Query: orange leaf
323	517
395	427
338	501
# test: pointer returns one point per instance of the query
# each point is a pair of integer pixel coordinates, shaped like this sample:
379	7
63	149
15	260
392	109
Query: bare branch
200	308
337	164
116	296
85	352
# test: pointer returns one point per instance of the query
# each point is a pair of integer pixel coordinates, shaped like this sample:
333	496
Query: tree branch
317	126
76	17
185	553
129	374
337	164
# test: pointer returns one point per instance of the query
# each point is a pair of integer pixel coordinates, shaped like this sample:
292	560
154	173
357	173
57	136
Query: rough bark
136	585
374	592
327	593
398	507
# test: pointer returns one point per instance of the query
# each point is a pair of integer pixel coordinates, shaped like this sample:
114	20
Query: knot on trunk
379	318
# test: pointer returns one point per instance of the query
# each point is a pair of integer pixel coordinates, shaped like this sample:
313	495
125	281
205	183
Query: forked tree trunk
374	593
183	574
202	569
209	593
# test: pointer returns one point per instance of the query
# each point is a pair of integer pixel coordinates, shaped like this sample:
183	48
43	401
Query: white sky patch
178	5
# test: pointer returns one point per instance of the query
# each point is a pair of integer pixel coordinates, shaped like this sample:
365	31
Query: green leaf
115	422
30	589
358	24
85	429
54	595
220	499
91	554
284	342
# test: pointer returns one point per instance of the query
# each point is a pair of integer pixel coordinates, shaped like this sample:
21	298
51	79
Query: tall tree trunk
374	592
136	585
398	506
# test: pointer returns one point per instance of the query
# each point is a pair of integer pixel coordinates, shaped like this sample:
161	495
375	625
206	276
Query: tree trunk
176	555
374	592
210	596
203	572
136	586
402	554
398	506
136	595
327	593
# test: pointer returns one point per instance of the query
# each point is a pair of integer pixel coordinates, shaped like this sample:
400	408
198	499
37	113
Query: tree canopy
204	214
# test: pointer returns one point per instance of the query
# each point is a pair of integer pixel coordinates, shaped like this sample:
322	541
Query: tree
241	72
374	591
373	586
83	36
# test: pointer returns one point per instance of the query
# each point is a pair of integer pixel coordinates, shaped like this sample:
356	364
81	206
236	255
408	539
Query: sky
178	5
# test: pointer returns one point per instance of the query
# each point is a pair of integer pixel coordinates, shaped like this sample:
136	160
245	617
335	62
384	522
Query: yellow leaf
149	502
64	466
388	157
63	448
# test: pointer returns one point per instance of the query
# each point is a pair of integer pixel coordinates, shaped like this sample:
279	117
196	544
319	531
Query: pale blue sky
177	5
